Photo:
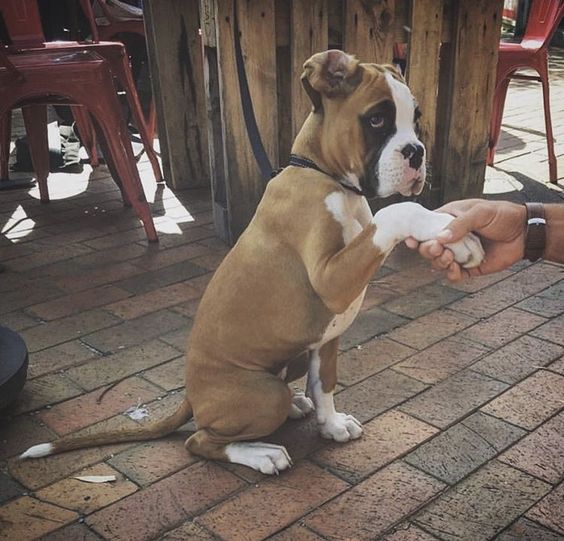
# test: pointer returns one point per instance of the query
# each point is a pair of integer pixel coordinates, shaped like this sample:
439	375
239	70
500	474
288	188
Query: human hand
500	225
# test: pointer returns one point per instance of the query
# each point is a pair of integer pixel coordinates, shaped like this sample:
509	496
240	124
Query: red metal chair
110	32
79	77
23	23
531	52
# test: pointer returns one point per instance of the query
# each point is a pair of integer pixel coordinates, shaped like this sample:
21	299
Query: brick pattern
548	511
27	518
482	505
385	438
374	505
459	387
530	402
278	504
541	453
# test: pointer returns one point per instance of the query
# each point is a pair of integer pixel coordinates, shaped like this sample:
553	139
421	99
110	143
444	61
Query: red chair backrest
23	22
544	17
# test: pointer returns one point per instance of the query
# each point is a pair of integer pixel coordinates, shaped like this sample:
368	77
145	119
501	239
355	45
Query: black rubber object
13	365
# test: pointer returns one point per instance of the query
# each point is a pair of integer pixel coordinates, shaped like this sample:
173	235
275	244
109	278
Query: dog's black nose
413	153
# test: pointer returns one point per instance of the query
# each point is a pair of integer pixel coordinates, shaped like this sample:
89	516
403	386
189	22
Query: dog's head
369	123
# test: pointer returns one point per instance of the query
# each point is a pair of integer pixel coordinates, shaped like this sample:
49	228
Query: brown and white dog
295	280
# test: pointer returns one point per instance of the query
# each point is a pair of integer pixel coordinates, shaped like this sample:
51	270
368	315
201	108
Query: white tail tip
37	451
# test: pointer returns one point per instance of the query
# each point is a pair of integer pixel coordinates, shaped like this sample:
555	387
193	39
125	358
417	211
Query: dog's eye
376	121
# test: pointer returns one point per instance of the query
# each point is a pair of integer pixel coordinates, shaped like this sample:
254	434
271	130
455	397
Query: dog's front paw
468	252
301	405
341	427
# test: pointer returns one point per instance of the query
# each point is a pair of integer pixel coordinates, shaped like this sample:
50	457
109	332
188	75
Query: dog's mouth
412	186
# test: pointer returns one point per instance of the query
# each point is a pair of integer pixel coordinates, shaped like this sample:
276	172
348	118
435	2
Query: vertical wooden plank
402	22
284	76
175	57
472	72
309	23
244	183
369	29
208	16
336	23
423	76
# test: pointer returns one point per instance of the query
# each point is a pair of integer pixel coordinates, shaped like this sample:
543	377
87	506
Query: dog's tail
151	431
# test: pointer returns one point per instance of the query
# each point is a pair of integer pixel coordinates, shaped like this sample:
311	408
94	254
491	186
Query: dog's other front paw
468	252
340	427
301	405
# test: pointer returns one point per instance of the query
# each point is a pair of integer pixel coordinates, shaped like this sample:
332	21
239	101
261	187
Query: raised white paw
266	458
301	405
340	427
468	252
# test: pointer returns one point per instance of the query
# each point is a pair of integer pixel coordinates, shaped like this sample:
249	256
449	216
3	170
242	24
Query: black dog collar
306	163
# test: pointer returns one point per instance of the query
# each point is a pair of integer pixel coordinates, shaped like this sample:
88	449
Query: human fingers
431	249
475	219
410	242
443	261
455	273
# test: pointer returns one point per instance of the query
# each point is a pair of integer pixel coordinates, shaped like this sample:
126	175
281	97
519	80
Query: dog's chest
341	322
353	214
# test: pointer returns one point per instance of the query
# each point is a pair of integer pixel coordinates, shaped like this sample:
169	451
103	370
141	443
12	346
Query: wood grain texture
472	72
369	29
423	71
309	23
176	64
258	42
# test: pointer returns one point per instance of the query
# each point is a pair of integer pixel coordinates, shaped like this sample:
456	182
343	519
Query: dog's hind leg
322	379
298	367
260	405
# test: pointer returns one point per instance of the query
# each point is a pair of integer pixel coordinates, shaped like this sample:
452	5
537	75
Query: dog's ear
330	73
396	73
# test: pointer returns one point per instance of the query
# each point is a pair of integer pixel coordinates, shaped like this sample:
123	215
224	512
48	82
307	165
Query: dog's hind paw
301	405
266	458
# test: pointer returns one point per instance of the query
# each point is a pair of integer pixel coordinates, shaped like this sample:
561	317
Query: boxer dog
295	280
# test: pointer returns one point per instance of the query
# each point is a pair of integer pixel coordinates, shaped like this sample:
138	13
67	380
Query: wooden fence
452	55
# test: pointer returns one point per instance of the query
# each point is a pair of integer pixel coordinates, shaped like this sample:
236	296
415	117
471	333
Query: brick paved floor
460	387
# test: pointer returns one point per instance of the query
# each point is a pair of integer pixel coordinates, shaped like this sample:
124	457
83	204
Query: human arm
501	226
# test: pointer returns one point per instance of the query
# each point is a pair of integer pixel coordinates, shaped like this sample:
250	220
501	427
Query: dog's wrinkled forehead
386	83
404	102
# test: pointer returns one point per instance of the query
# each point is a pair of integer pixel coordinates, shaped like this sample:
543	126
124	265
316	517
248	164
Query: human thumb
455	230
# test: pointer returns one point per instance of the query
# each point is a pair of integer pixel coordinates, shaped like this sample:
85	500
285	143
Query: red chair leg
86	132
152	121
108	158
497	116
119	145
5	129
137	113
35	119
553	174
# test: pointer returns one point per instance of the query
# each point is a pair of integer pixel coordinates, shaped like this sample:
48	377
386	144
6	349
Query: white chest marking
353	213
341	322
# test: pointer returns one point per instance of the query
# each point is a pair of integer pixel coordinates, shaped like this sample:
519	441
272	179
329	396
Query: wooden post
309	36
244	185
467	103
369	30
175	57
208	15
423	78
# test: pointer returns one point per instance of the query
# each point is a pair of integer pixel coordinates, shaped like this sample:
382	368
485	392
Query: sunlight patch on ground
63	185
500	182
18	226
